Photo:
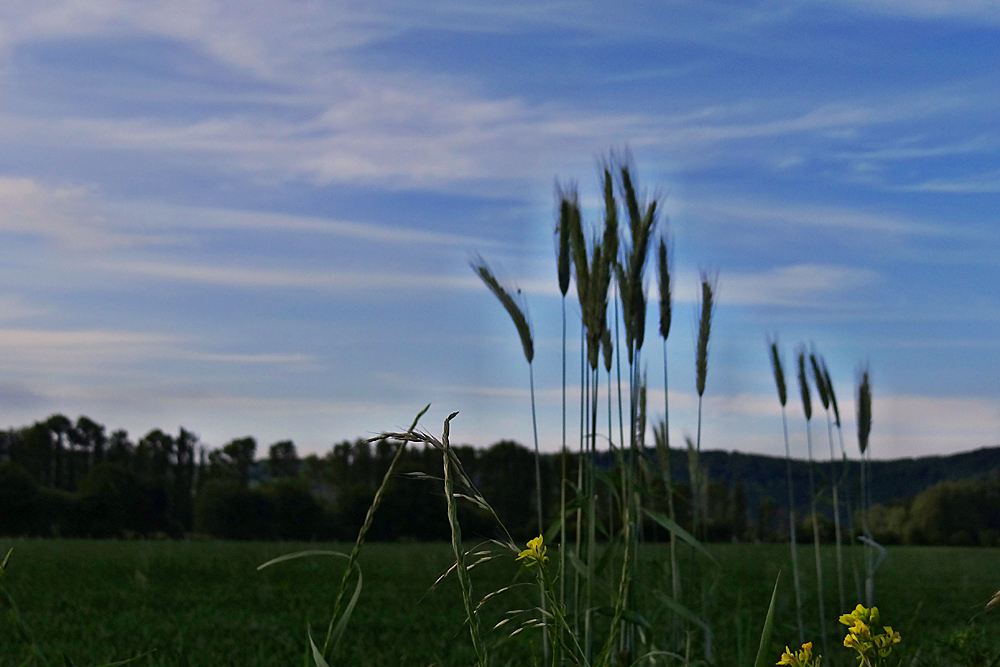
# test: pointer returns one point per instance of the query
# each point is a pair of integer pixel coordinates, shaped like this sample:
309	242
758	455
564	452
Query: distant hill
893	479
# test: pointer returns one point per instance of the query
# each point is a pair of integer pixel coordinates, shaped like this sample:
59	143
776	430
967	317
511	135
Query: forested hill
58	477
892	480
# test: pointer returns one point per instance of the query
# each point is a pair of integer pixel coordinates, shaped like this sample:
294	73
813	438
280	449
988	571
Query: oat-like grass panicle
994	602
369	517
510	304
456	544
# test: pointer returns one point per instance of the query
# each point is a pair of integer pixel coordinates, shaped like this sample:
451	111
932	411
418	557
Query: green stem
791	523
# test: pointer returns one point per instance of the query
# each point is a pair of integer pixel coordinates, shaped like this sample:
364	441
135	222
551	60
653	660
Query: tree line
65	478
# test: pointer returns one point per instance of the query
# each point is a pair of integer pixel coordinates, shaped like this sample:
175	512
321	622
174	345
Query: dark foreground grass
204	603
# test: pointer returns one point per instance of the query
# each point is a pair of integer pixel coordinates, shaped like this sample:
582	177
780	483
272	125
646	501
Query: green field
204	603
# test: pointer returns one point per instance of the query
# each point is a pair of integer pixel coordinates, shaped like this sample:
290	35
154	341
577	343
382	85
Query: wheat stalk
824	396
520	319
807	409
569	211
845	476
864	415
779	380
701	369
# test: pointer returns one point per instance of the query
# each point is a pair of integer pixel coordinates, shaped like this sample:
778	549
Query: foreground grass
204	603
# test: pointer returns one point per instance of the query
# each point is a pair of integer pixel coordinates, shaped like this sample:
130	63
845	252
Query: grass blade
765	635
317	654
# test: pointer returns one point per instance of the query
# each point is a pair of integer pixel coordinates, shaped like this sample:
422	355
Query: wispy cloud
802	285
984	183
799	215
66	214
960	10
174	218
344	281
13	307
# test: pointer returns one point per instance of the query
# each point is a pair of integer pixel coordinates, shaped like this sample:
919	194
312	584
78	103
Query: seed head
864	401
704	330
779	372
663	270
510	304
824	394
804	384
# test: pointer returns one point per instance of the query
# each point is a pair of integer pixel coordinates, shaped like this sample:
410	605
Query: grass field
204	603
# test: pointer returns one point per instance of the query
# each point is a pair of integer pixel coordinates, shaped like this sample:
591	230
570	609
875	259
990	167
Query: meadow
205	603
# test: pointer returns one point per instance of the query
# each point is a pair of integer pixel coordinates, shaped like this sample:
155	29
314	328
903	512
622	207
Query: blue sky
256	218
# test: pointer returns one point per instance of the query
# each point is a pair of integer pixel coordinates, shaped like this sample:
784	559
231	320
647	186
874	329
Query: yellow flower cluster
535	553
860	638
803	658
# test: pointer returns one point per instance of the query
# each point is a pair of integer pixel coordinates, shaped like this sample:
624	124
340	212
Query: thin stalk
816	550
835	484
852	527
701	367
538	468
608	348
579	483
618	365
864	411
538	505
792	541
456	545
825	390
779	381
675	582
591	519
562	479
807	410
369	517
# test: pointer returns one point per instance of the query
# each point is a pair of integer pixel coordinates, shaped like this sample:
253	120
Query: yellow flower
872	648
801	658
535	553
861	613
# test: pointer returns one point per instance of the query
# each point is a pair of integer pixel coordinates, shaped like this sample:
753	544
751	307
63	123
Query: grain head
663	271
569	208
864	407
804	384
607	348
821	389
833	394
704	330
779	371
510	304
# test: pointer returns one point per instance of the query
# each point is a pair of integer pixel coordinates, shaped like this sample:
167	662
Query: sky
257	218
